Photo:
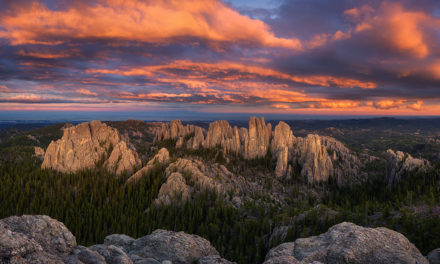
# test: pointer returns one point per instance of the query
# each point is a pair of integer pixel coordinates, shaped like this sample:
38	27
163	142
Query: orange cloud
230	71
86	92
43	55
4	89
401	29
416	106
339	104
388	104
159	21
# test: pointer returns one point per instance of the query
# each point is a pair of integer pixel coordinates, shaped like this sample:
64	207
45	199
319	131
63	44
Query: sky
298	57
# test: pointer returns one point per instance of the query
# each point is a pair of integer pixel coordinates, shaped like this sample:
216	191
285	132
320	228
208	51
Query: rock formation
161	158
86	144
40	239
34	239
259	138
319	157
39	152
174	187
434	256
399	163
322	157
281	146
175	130
349	243
185	177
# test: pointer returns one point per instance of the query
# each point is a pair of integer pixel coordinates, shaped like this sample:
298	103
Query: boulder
85	145
434	256
349	243
119	240
34	239
213	259
177	247
112	254
88	256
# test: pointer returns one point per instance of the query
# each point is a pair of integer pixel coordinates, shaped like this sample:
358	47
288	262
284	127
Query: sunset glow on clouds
298	56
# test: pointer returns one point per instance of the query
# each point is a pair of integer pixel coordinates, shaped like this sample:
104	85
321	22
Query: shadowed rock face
86	144
434	256
398	163
349	243
40	239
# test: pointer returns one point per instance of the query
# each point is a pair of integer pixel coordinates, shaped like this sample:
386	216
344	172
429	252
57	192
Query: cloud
86	92
161	21
325	56
416	106
200	74
395	27
388	104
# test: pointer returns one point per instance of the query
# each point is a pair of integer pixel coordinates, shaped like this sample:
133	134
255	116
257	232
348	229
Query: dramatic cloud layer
297	56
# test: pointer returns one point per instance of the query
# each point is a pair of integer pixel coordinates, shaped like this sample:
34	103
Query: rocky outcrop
85	145
34	239
43	240
39	152
319	157
176	131
174	187
186	177
259	138
434	256
349	243
399	163
281	146
250	143
161	158
323	157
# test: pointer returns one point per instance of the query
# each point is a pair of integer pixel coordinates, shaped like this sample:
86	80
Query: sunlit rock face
161	158
186	177
87	144
319	157
281	145
349	243
176	131
399	163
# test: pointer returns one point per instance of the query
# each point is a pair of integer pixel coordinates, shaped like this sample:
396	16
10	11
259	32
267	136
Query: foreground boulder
34	239
177	247
349	243
434	256
40	239
86	145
